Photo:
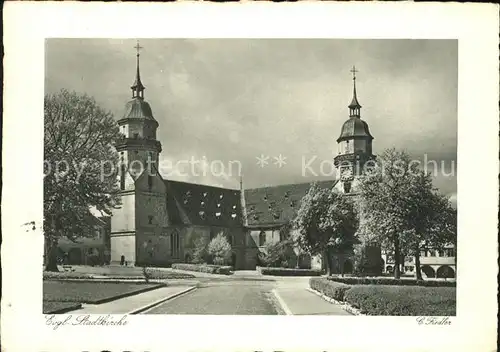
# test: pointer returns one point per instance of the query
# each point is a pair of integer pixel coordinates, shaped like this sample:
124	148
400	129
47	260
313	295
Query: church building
160	220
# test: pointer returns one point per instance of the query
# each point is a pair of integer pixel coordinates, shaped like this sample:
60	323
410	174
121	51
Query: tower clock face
346	173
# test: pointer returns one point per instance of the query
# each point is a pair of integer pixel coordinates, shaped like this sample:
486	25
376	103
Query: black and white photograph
250	176
311	176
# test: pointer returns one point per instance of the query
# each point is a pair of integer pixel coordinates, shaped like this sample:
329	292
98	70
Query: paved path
222	298
129	304
303	302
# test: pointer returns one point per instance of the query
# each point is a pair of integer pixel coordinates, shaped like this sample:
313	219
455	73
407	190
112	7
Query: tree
381	202
79	168
326	223
220	249
402	210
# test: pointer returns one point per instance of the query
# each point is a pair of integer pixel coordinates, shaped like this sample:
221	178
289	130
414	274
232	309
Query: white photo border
475	26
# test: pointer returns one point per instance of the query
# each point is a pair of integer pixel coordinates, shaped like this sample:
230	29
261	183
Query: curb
345	306
281	302
161	300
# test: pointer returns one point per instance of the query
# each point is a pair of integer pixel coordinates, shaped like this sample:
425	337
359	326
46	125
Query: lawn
59	307
91	292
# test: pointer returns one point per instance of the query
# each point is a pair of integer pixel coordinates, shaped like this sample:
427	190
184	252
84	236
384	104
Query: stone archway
445	272
428	271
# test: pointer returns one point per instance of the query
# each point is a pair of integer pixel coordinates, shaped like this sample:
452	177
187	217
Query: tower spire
354	107
138	87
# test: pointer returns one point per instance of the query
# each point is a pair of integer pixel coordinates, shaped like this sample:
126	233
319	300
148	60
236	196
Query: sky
229	101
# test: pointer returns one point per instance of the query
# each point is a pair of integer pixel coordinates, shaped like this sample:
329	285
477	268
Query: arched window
175	246
262	238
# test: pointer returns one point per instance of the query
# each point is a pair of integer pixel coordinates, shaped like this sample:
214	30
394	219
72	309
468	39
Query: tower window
347	187
136	135
150	219
122	178
150	182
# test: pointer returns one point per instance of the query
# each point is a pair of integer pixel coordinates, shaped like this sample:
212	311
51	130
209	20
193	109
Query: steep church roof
274	206
194	204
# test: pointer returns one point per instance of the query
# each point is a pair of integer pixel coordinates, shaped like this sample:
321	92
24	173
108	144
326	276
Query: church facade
160	220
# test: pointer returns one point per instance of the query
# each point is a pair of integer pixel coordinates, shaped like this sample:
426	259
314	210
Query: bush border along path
390	299
288	272
153	274
204	268
391	281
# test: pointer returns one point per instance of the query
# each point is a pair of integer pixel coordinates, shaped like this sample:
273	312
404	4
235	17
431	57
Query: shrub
220	249
402	300
200	254
48	275
289	272
204	268
391	281
335	290
280	254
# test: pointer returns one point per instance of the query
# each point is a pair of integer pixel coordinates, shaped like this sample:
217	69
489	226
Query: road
236	297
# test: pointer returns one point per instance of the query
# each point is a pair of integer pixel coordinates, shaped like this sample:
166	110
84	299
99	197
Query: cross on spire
354	107
138	48
353	70
138	87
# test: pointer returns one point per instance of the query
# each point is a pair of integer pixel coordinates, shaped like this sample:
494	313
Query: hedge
402	300
153	274
390	300
288	272
48	275
204	268
391	281
335	290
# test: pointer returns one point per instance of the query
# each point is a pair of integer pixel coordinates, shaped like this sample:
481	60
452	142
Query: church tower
139	148
354	145
139	225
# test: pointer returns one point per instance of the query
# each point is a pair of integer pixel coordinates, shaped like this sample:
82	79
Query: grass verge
92	292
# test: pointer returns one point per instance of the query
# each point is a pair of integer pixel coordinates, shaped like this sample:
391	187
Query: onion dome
138	109
354	127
